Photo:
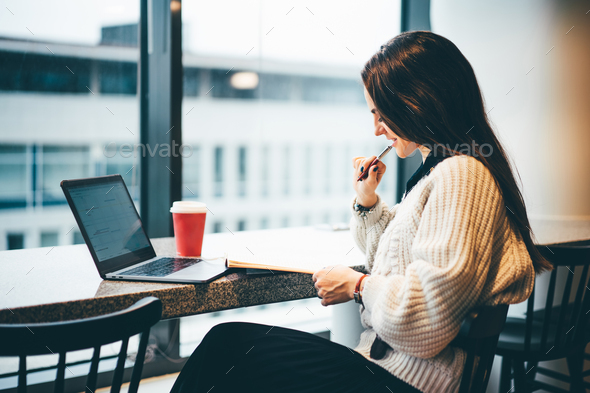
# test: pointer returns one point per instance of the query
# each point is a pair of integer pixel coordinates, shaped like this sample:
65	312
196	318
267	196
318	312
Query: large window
279	111
273	112
68	107
273	109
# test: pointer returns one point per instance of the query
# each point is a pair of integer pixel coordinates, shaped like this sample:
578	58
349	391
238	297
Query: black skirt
247	357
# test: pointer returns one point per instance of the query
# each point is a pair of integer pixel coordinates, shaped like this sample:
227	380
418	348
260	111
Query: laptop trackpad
202	271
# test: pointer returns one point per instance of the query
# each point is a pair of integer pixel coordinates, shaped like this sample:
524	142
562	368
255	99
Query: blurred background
273	109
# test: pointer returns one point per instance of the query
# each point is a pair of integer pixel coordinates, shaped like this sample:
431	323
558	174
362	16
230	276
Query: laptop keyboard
160	267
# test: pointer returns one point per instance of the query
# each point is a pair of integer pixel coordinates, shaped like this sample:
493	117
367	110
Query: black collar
424	170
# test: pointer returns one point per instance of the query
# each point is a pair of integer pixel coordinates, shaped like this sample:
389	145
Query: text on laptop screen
110	219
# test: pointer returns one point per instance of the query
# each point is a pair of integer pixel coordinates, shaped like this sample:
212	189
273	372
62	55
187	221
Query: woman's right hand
365	189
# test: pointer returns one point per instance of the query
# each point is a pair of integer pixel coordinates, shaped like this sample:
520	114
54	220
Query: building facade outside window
68	102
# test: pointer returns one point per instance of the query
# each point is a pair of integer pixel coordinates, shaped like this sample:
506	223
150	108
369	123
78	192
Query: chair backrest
558	329
478	336
61	337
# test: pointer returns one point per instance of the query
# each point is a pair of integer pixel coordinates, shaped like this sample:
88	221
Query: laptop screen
108	221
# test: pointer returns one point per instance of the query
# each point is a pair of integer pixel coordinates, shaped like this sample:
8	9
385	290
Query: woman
459	239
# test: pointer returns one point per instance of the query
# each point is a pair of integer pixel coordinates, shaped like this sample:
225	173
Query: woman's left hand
335	284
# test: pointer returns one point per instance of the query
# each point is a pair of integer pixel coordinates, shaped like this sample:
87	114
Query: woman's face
403	148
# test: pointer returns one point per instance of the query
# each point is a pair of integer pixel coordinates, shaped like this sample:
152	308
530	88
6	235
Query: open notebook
300	250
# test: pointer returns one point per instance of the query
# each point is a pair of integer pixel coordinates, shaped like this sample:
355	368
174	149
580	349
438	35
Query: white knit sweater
446	248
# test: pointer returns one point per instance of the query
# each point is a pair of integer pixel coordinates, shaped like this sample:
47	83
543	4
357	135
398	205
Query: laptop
114	234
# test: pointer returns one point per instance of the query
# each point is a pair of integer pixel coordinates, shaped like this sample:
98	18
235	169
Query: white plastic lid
188	207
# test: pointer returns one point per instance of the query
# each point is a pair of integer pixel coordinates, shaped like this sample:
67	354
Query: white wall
543	121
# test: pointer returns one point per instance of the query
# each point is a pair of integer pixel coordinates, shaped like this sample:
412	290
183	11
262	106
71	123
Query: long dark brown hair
426	92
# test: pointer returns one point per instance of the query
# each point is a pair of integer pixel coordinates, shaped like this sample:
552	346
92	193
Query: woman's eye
380	119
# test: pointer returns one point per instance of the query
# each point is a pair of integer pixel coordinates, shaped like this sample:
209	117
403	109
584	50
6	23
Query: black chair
558	331
478	336
62	337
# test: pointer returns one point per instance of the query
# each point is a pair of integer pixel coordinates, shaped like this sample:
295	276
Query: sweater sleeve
421	311
366	232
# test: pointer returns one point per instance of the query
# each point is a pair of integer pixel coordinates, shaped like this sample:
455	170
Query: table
62	283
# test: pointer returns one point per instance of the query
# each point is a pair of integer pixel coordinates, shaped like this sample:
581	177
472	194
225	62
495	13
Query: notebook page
306	248
286	260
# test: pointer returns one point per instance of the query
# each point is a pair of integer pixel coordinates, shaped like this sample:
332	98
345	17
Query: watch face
357	298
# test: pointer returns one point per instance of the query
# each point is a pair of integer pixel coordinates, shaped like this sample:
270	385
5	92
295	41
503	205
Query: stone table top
62	283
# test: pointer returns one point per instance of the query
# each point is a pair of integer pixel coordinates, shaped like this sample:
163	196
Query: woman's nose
379	130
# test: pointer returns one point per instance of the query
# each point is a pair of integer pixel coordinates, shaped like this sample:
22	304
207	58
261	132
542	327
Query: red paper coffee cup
189	227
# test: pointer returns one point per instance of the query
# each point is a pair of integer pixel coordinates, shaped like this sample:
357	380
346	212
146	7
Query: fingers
356	161
325	297
328	283
376	171
318	277
362	162
322	293
368	161
365	163
320	273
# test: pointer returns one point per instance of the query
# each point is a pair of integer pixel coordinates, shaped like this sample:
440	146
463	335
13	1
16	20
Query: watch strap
357	289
